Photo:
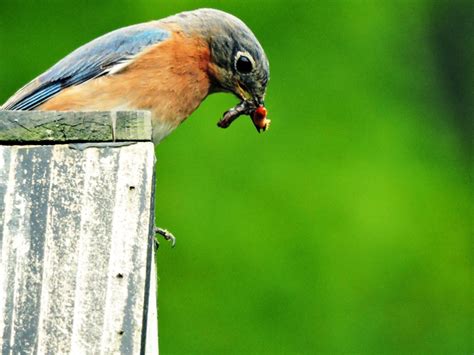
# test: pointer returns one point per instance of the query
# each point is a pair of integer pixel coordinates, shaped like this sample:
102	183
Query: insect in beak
258	114
259	118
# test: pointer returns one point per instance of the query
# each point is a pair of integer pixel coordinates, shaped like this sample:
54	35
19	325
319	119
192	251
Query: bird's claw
165	234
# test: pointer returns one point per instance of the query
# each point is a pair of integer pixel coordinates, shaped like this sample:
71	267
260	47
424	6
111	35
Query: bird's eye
244	64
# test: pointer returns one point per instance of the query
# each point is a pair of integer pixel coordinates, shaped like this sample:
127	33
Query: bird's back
104	55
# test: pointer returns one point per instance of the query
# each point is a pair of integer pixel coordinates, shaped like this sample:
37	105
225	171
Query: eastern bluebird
167	66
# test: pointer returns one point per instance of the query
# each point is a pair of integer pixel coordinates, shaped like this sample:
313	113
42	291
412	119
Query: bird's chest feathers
170	79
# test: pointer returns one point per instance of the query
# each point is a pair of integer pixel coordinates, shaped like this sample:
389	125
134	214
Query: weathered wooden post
77	271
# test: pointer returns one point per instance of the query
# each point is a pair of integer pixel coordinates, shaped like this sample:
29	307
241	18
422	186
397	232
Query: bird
167	67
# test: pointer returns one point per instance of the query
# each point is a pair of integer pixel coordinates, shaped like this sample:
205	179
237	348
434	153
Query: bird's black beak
259	101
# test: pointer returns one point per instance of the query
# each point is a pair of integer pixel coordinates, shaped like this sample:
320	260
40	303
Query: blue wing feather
92	60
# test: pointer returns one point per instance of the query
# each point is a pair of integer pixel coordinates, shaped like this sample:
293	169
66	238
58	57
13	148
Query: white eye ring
244	54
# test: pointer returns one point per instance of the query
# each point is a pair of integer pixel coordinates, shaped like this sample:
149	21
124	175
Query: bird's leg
165	234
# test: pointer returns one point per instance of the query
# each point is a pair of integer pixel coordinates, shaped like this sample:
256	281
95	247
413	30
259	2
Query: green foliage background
347	228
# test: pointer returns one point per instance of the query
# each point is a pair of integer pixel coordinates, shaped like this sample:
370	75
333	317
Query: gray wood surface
54	126
76	240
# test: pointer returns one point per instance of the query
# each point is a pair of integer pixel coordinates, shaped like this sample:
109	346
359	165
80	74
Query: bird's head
238	63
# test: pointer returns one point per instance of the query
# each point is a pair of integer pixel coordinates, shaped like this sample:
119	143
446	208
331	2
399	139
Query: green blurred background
347	228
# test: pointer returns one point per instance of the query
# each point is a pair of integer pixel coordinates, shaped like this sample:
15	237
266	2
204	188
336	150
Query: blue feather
38	97
92	60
